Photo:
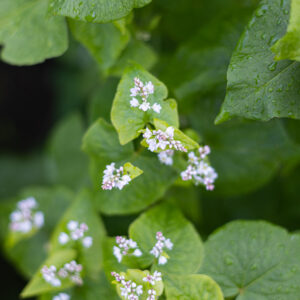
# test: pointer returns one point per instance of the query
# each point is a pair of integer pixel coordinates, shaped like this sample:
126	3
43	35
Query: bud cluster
25	217
114	178
143	91
160	140
76	233
125	247
69	270
158	249
129	289
199	170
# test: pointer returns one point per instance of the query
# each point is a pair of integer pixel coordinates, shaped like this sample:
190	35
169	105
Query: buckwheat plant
61	296
114	178
166	157
25	217
159	140
158	249
69	271
76	232
199	170
129	289
125	247
142	91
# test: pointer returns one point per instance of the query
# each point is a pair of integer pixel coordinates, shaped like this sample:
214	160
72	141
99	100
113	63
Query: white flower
149	88
39	219
158	249
147	134
72	225
166	157
170	132
145	106
125	247
114	178
87	242
61	296
156	107
63	238
25	218
49	274
162	260
134	102
199	170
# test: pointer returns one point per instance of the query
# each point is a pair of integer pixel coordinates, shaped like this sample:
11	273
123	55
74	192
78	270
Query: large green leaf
254	261
52	202
196	287
288	47
82	211
104	41
38	285
98	11
187	253
259	87
102	144
130	120
28	34
69	164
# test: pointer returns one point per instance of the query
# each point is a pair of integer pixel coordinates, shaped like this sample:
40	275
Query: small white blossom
166	157
151	294
87	241
129	289
25	218
199	170
152	279
70	270
156	107
134	102
63	238
143	91
158	249
125	247
76	232
160	140
61	296
114	178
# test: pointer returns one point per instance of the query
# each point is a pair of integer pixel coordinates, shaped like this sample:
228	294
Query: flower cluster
69	270
143	91
76	233
152	279
25	217
158	249
61	296
129	289
125	247
199	170
166	157
114	178
160	140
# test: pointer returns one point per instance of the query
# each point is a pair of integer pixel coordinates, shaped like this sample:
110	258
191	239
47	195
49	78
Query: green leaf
105	42
186	141
102	144
82	211
196	287
288	47
187	253
254	260
132	171
130	120
28	34
69	164
138	52
258	87
38	285
99	11
52	202
245	154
